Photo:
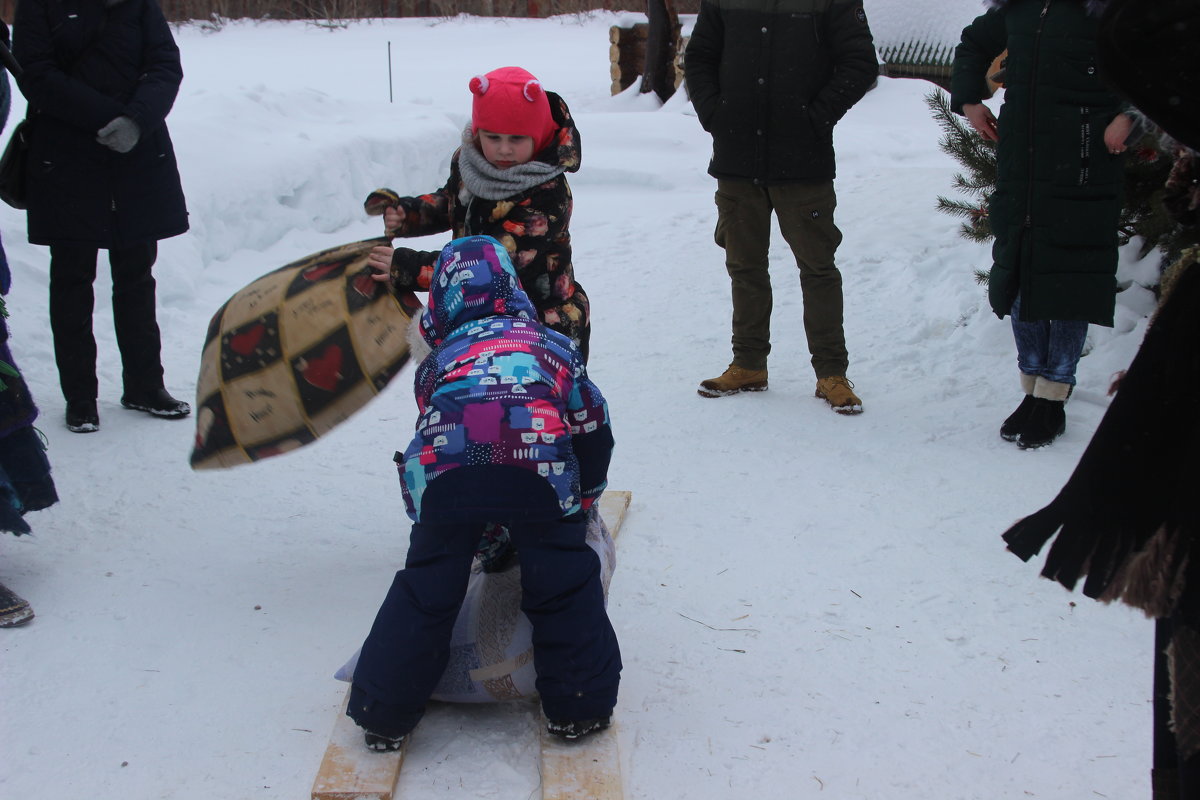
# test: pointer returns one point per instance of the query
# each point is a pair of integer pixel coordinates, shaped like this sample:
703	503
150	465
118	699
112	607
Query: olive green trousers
805	214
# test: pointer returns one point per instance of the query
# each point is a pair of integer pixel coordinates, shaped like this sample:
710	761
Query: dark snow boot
1011	429
379	743
82	416
157	402
1046	422
576	728
14	610
496	552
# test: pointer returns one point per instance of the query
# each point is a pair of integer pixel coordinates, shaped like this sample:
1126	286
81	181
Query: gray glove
121	135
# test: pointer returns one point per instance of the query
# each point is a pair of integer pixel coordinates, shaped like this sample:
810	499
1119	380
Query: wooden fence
179	10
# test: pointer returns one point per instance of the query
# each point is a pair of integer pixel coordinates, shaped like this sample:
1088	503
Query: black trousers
575	650
72	300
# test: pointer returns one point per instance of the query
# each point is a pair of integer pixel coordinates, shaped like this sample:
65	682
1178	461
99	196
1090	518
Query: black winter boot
576	728
157	402
1011	429
379	743
82	416
14	609
1046	422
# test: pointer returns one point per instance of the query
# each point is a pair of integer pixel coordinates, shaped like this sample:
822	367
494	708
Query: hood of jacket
564	149
473	279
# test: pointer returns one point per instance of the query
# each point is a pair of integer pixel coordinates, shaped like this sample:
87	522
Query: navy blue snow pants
576	655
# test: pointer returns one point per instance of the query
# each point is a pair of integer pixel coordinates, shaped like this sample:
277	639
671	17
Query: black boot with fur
1047	420
1012	427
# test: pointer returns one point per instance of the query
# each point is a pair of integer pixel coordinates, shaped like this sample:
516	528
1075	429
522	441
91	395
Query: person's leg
134	316
1063	351
576	655
744	232
406	652
1049	351
138	335
72	272
1164	769
1183	672
805	212
1032	340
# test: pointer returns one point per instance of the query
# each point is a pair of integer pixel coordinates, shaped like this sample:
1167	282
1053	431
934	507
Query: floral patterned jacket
533	226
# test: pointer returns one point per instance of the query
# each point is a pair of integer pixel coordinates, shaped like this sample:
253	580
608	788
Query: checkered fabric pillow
296	352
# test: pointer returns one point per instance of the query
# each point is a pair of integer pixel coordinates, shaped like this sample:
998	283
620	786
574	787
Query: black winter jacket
86	63
770	78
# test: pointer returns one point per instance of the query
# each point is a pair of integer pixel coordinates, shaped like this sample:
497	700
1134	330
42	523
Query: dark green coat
1058	190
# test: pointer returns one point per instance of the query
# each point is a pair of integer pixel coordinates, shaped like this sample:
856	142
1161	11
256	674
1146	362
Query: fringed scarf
481	179
1127	519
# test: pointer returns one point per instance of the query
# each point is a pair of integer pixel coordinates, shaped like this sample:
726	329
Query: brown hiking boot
735	379
838	392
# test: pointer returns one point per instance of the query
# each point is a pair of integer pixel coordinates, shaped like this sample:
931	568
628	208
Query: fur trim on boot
1051	390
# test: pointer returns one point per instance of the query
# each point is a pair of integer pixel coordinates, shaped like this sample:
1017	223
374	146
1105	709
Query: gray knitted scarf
481	179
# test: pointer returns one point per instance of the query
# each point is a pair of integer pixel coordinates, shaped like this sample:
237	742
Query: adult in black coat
769	82
101	76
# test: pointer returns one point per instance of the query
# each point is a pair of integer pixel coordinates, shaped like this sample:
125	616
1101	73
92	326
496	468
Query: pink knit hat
510	100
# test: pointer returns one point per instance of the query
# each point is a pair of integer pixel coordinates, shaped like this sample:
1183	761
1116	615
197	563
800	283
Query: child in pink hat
508	181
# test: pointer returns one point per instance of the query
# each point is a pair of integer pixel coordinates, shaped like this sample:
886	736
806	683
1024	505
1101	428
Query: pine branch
977	185
978	156
959	208
975	232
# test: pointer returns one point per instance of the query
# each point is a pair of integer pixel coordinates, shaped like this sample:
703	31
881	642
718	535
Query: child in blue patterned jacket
511	431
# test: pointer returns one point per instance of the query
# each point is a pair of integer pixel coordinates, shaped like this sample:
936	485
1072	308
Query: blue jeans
1048	349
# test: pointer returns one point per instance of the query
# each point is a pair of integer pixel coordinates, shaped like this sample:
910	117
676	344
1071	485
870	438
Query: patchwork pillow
296	352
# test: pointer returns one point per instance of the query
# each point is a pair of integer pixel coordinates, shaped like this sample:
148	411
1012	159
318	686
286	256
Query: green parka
1058	190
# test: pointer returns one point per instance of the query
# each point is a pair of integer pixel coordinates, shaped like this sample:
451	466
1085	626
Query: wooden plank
587	769
350	771
613	506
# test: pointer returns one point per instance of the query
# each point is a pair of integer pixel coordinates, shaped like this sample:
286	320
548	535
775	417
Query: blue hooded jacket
500	388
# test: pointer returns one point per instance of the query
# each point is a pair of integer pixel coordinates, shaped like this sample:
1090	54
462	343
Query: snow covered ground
809	606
